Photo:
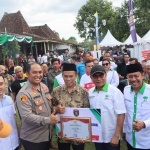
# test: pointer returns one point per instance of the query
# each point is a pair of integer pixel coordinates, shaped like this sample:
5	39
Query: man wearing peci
69	95
137	121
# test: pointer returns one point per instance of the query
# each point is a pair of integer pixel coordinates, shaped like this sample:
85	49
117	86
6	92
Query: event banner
82	123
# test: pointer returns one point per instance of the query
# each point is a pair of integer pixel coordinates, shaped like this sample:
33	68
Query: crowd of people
41	88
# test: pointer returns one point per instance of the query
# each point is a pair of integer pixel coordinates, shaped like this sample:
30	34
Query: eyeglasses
96	76
105	64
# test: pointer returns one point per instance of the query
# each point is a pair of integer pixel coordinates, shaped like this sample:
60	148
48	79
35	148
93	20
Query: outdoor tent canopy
109	40
129	40
8	38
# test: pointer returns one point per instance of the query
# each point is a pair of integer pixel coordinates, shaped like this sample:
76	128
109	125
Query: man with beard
19	82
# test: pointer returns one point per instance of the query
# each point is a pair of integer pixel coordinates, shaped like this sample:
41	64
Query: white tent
146	35
143	44
145	39
129	40
109	40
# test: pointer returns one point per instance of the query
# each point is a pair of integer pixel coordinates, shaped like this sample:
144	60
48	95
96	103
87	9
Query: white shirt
138	107
7	112
112	78
61	57
86	82
111	102
44	59
128	63
60	79
112	65
39	59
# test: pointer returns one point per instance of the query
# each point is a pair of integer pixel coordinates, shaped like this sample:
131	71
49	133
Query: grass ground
88	146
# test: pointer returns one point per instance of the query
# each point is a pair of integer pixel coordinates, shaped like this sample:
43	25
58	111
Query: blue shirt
6	101
81	69
7	111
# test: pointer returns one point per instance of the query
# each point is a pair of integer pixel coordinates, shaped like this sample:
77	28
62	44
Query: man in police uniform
111	102
34	105
70	95
137	101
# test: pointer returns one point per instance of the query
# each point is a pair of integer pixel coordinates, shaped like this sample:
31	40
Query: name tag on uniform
38	96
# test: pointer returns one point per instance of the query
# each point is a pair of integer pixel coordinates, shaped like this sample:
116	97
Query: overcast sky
60	15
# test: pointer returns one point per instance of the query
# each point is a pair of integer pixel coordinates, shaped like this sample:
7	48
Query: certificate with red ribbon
76	128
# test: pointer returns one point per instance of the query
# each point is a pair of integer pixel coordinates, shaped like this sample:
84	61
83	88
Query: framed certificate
88	119
76	128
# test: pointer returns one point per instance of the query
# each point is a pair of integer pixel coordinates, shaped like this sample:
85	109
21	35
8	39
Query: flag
131	22
96	29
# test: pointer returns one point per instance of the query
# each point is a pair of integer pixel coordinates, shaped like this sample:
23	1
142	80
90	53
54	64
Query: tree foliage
72	40
88	44
116	18
86	12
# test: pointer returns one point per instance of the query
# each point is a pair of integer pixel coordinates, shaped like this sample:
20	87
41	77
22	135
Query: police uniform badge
76	112
40	108
23	99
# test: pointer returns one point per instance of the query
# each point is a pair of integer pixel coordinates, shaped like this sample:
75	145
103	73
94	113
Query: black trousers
35	146
66	146
131	148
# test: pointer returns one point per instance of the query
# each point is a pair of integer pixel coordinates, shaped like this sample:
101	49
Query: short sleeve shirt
111	102
17	85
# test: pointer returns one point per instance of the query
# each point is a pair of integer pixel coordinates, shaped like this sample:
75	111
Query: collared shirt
58	80
78	98
112	78
7	112
112	65
138	108
34	105
86	82
81	69
111	102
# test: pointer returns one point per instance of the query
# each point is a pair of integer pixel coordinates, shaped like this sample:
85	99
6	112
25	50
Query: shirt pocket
49	98
128	103
39	106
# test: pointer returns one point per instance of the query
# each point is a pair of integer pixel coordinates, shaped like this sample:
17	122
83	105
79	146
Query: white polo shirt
111	102
86	82
138	107
112	78
112	65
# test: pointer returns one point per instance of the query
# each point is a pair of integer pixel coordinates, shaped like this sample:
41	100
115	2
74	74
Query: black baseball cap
97	69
